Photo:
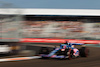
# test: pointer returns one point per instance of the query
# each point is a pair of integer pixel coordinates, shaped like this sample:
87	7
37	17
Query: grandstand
53	23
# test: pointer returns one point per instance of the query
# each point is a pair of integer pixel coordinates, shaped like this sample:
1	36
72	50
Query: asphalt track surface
92	61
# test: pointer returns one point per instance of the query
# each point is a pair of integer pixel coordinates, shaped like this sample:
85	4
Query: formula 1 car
65	51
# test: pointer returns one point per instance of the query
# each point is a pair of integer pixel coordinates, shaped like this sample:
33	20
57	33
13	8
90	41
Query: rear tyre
84	52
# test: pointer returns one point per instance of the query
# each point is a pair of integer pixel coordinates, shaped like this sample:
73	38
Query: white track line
19	58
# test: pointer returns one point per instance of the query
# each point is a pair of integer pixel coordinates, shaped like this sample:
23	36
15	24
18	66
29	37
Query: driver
66	45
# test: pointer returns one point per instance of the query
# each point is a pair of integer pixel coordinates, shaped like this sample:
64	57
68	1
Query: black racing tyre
70	54
44	50
84	52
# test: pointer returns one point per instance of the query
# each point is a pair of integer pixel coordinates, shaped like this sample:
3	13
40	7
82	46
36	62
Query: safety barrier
45	40
51	40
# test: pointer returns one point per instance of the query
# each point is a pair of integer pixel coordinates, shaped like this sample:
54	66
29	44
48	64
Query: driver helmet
66	43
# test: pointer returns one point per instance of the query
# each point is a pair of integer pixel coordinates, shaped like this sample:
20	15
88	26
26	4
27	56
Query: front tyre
70	54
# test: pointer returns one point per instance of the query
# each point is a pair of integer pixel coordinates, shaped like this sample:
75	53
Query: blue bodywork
52	54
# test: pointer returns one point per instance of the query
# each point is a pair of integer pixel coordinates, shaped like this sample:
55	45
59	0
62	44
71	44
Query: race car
65	51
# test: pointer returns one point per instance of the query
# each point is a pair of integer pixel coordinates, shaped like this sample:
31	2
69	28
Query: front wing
53	56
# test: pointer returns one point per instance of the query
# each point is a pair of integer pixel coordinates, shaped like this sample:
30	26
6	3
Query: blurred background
61	27
17	23
49	26
62	20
